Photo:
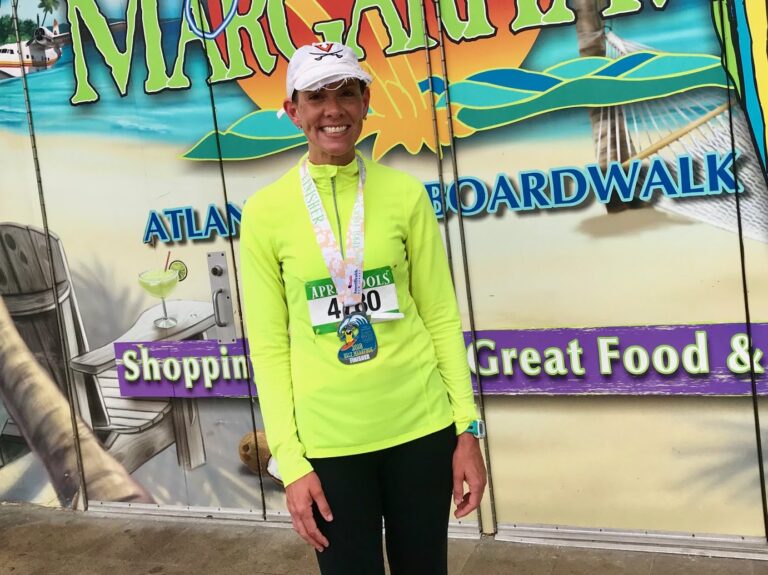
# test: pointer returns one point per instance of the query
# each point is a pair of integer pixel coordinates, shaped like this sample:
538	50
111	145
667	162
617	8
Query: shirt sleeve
432	290
266	320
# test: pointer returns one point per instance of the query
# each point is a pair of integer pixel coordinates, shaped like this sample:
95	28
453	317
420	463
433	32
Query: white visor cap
316	65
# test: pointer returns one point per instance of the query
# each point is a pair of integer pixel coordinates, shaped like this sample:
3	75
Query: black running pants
410	487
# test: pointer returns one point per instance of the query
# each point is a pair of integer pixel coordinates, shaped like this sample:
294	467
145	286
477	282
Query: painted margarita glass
160	283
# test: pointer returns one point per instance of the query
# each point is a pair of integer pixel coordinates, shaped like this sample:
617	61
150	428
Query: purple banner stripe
711	360
189	368
634	360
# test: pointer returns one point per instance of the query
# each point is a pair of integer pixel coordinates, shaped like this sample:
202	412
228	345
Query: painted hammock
694	123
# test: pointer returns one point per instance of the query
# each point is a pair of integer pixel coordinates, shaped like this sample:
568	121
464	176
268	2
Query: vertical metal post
745	288
49	247
462	240
438	146
234	271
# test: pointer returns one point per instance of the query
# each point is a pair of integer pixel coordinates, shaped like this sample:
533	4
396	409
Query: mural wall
609	159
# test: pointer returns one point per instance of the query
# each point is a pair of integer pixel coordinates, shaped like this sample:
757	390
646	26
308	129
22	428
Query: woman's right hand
300	495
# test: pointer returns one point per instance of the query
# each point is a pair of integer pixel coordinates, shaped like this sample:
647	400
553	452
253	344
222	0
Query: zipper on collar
339	239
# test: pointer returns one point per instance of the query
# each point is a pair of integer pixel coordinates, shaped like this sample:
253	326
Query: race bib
325	310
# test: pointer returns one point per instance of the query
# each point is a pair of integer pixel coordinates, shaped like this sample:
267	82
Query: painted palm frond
743	30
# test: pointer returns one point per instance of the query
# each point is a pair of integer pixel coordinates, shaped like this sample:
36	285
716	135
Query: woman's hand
300	495
469	468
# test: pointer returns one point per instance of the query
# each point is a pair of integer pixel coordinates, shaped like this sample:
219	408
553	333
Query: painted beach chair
9	432
133	430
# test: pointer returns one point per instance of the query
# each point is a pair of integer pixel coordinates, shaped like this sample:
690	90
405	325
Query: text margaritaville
266	24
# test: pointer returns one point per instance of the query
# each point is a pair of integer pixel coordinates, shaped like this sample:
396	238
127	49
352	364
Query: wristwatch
476	428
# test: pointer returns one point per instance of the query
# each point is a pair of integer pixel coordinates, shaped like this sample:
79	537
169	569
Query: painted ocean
185	117
179	116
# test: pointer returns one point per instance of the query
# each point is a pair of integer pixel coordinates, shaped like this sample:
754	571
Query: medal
359	341
345	268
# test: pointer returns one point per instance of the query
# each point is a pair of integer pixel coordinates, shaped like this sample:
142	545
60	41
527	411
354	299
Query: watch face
476	428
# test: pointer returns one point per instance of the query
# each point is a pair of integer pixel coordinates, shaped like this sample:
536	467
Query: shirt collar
319	171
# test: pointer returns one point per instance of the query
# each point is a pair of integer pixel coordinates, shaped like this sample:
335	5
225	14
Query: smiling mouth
334	129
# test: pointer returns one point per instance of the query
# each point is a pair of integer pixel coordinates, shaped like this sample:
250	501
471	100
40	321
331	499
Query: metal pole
438	147
49	247
745	289
462	239
230	228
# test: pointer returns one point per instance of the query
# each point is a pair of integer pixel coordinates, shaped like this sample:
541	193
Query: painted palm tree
591	36
43	416
48	7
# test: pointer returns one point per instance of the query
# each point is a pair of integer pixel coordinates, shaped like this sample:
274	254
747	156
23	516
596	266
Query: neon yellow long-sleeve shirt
312	404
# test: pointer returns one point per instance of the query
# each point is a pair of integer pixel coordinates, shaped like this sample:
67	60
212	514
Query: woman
355	340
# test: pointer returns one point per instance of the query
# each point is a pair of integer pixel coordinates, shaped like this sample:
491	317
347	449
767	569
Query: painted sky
112	8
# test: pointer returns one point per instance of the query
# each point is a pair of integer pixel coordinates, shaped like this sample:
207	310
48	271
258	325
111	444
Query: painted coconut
252	457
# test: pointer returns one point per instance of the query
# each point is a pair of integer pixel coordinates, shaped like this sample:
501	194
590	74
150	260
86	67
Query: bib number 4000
371	301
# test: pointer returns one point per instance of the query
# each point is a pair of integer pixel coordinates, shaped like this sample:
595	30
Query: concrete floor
45	541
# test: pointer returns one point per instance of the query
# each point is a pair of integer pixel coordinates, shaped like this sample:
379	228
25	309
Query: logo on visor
326	48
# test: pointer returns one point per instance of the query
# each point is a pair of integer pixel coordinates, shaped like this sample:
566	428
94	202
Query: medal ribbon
346	272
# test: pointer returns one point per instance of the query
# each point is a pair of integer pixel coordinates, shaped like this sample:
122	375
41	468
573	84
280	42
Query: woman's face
332	119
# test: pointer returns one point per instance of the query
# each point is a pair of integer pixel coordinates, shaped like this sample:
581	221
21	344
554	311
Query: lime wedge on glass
180	267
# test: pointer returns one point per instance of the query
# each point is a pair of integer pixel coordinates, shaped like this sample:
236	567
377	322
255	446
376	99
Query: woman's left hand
469	468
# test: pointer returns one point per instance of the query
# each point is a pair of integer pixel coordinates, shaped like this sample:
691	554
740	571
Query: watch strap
476	428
